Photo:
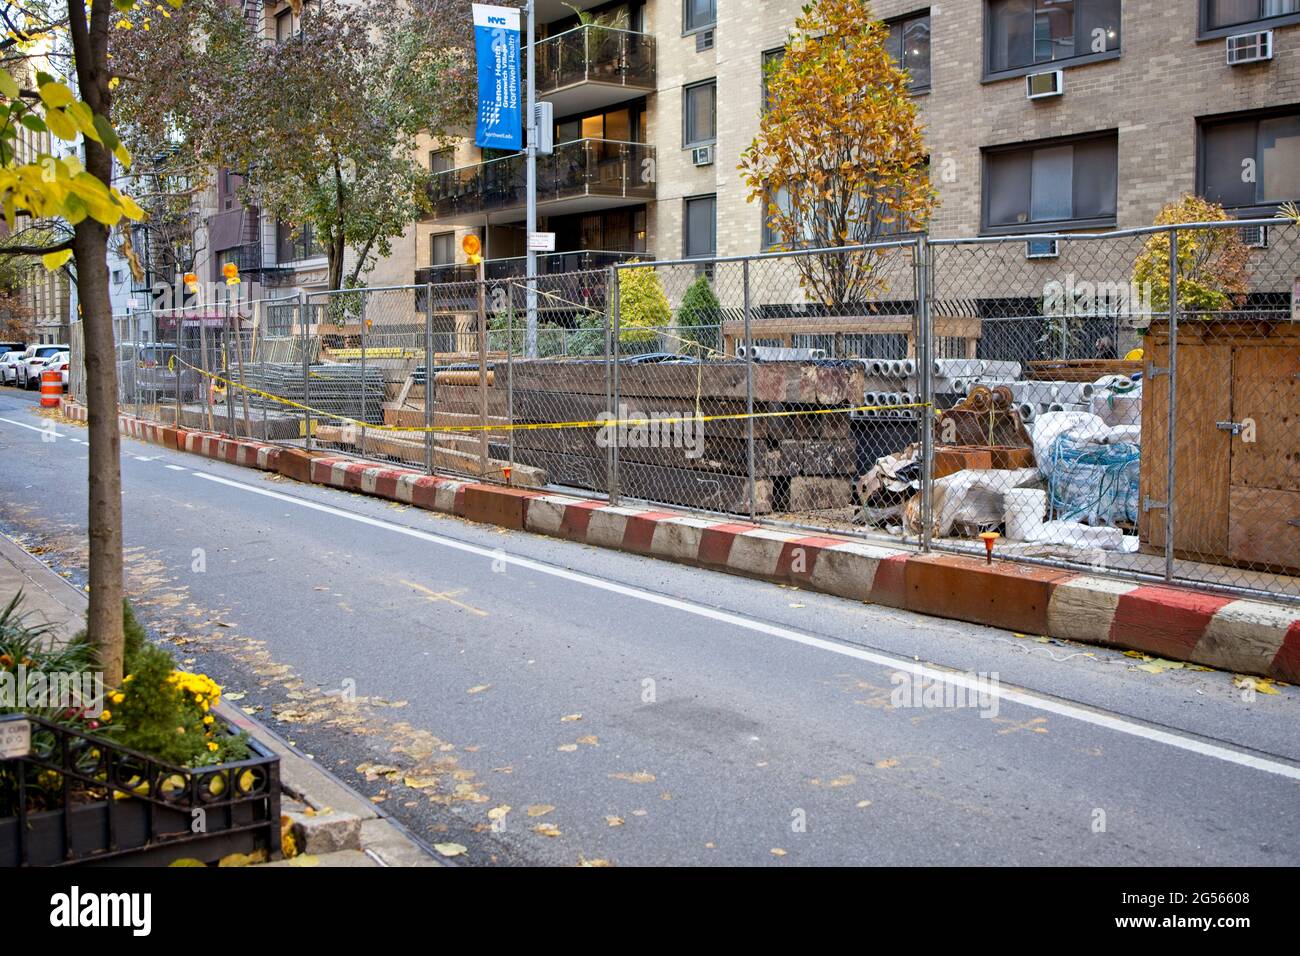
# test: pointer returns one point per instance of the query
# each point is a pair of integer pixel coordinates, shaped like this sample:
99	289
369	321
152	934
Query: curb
1239	635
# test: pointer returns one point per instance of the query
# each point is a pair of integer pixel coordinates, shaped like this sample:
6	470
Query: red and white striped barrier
1232	634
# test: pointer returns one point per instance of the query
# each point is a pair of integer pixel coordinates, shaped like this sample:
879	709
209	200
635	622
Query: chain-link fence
931	393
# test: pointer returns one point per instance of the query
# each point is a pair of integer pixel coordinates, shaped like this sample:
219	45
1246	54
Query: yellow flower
180	730
117	698
106	715
207	719
128	678
212	746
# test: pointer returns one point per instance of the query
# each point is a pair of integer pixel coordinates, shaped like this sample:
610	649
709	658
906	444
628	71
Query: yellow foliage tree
839	158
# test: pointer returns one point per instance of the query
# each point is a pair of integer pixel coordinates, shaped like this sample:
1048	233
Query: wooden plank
1261	535
1202	452
411	451
1266	394
674	486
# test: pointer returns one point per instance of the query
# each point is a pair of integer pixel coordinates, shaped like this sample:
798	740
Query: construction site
969	404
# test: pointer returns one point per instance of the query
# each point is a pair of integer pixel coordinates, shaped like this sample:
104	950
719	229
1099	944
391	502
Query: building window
442	249
701	232
1226	14
1251	163
294	243
909	45
284	25
441	160
699	15
772	60
699	109
1051	185
1022	35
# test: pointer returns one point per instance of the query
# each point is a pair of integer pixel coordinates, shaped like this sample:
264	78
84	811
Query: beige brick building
1149	108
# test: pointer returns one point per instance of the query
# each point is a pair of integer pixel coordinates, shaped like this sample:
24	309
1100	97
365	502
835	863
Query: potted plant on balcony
146	770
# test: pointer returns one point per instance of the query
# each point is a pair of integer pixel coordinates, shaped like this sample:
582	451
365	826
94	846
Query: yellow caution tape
545	426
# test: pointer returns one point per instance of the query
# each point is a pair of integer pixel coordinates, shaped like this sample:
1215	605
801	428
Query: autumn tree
73	103
1213	264
323	126
839	158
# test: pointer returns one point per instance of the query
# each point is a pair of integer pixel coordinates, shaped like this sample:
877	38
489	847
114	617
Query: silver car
9	368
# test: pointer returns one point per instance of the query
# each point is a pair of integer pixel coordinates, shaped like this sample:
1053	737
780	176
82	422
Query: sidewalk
341	828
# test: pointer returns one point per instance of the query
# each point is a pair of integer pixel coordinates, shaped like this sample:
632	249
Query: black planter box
202	813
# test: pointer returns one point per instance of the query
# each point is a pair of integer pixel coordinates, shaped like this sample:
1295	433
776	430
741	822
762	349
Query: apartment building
1134	104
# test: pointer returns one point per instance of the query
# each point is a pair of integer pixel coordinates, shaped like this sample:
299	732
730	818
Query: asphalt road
663	714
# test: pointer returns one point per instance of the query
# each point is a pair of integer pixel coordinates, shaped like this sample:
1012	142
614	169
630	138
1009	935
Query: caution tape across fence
544	426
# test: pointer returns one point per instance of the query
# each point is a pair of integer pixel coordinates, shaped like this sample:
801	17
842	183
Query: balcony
580	176
568	283
515	267
592	66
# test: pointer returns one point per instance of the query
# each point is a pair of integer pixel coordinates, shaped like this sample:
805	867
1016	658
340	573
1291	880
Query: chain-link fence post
303	324
1172	373
749	397
365	411
925	353
615	408
428	378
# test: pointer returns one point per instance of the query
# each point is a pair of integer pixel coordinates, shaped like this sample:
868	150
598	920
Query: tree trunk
90	249
335	254
104	519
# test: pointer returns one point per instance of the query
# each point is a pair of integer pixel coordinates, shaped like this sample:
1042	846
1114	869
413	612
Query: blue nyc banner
496	39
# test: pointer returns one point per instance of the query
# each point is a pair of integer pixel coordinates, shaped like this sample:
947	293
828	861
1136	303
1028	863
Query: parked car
60	363
33	361
9	366
146	372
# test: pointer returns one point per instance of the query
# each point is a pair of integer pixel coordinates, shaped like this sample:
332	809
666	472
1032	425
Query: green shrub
643	308
699	310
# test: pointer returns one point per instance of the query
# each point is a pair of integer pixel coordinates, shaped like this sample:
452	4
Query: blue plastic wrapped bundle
1093	483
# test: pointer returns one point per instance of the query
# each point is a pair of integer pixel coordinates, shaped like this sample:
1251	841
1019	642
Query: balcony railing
515	267
579	169
596	54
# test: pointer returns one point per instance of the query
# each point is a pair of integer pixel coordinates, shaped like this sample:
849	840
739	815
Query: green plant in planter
165	712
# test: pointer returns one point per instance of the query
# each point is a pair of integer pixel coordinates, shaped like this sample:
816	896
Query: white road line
175	468
35	428
1082	714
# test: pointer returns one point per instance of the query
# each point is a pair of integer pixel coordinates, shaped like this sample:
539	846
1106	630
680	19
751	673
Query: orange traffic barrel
51	388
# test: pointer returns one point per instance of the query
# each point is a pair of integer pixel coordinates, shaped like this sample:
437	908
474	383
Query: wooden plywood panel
1266	391
1202	453
1262	534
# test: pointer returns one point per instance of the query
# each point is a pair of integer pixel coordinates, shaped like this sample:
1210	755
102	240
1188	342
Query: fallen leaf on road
843	780
590	740
539	809
777	851
614	821
640	776
420	783
306	859
567	748
1260	684
478	689
638	813
798	605
499	813
547	829
886	764
708	846
863	803
583	861
571	717
233	696
187	861
450	849
1156	665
